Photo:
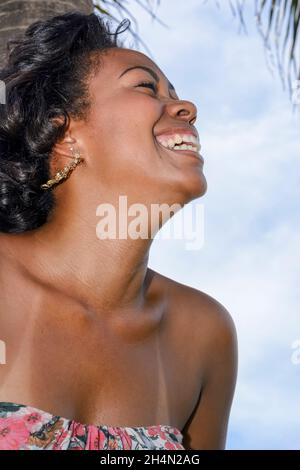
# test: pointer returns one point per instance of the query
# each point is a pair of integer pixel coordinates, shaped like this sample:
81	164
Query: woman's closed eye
151	85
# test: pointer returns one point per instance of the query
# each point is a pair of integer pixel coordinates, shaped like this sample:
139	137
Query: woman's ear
61	151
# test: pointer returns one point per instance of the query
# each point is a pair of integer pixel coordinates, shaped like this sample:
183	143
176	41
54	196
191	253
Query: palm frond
277	22
118	10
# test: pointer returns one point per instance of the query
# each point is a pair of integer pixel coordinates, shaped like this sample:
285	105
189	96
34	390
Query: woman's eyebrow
149	70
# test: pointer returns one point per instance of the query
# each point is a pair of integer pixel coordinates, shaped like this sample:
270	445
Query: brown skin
91	332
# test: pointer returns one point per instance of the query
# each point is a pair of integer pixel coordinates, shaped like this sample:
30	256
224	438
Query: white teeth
193	147
170	143
185	147
177	139
175	142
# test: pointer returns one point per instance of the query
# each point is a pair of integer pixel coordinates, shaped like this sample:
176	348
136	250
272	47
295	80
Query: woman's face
129	109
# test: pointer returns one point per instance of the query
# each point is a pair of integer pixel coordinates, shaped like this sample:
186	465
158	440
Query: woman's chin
193	187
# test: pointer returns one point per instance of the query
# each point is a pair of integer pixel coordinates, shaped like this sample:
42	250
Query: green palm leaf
278	24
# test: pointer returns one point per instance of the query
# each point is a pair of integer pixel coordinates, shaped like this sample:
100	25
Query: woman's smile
181	141
182	153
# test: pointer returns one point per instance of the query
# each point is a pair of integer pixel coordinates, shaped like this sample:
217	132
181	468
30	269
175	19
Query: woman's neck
106	278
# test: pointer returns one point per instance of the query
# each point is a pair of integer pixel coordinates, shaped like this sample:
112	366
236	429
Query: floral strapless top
27	428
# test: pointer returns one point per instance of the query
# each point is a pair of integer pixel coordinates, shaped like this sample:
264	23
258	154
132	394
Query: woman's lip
177	130
191	153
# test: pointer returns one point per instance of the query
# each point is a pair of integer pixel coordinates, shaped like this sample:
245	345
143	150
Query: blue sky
250	259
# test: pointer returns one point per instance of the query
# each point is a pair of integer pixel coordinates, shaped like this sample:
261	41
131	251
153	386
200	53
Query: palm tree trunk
16	15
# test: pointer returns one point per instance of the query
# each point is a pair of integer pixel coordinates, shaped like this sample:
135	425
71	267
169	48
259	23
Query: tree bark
17	15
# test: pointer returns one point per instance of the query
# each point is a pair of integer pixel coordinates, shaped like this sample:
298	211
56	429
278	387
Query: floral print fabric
28	428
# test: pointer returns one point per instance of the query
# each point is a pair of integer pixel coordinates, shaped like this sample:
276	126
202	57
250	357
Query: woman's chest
94	376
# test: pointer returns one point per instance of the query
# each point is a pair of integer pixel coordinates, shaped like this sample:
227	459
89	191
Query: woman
101	351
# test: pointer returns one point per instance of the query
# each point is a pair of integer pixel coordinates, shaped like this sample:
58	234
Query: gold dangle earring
66	171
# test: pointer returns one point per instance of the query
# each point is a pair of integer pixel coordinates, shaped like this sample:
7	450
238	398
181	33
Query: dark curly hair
45	77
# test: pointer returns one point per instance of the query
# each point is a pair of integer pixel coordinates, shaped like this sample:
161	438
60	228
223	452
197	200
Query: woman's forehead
118	59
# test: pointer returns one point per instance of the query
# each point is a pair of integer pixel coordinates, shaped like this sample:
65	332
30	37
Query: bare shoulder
205	330
192	309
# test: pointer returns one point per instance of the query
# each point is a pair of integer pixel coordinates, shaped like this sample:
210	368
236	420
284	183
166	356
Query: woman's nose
182	109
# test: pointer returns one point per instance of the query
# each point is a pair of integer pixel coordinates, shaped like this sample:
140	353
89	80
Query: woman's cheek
140	105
